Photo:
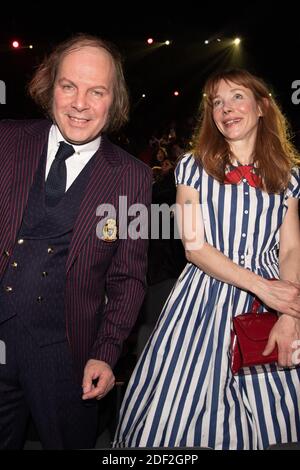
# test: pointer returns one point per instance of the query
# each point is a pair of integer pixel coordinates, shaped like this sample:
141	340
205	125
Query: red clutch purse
249	338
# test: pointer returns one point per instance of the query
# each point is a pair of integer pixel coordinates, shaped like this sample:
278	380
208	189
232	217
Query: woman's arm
289	252
279	295
287	329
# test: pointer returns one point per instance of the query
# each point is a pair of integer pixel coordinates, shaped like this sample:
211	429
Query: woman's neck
240	161
242	155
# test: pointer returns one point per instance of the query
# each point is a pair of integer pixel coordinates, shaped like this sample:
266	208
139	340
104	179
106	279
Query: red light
150	41
15	44
176	93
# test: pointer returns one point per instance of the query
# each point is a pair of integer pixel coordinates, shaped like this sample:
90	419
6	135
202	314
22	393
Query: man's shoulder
125	158
31	126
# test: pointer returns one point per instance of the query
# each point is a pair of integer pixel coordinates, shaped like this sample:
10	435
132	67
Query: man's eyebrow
64	79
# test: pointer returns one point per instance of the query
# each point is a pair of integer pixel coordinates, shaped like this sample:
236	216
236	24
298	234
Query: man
68	298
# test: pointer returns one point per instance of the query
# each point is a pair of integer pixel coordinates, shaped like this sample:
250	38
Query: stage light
236	41
206	41
150	40
15	44
143	95
167	43
176	93
31	46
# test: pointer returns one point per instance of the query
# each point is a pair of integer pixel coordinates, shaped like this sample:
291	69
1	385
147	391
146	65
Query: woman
182	392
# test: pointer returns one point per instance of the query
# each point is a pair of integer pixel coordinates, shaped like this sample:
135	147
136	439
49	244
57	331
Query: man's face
83	94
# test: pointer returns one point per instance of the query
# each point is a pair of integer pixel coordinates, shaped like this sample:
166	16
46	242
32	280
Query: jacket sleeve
125	286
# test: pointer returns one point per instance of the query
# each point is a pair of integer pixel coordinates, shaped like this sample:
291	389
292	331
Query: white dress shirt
77	161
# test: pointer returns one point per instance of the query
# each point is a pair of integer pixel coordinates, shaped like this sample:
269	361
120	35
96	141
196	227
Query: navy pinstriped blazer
96	270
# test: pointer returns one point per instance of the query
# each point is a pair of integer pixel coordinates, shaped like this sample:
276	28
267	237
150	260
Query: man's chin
79	139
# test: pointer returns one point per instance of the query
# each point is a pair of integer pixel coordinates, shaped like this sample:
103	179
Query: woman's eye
216	103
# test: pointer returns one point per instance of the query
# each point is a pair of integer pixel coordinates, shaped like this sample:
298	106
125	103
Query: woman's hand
285	331
282	296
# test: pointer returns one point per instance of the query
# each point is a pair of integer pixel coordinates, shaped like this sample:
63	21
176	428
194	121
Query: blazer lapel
107	172
30	145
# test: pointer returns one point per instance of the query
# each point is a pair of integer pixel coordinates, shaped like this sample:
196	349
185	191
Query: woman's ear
264	103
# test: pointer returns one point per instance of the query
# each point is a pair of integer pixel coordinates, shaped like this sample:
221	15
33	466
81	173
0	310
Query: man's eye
97	93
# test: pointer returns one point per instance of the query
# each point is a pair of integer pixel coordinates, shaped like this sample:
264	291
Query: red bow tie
236	175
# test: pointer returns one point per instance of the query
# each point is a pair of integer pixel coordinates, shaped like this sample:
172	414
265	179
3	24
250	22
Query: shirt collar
88	147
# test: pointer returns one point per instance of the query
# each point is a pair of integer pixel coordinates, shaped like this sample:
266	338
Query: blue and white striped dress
182	392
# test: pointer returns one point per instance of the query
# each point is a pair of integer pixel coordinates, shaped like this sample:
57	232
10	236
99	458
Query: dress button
8	288
20	241
242	256
246	212
243	235
50	250
39	299
44	273
246	194
6	253
244	180
14	264
242	261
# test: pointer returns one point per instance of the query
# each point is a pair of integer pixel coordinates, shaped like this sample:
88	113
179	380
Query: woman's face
166	166
235	112
160	156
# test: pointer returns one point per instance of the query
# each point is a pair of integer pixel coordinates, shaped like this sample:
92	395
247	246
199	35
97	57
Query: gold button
6	253
39	299
50	250
44	273
20	241
14	264
8	288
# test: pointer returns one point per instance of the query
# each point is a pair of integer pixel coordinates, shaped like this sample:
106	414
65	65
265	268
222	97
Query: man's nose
80	101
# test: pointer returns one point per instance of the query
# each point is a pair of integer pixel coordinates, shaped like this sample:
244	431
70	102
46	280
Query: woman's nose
227	108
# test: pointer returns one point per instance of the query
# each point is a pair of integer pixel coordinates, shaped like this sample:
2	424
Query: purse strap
256	302
255	305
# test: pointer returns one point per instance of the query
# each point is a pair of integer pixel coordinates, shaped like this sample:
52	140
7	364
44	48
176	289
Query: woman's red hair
274	154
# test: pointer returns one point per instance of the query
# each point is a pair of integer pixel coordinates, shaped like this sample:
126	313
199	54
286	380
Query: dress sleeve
293	189
187	172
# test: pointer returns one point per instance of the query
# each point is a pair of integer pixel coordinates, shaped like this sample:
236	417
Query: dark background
270	48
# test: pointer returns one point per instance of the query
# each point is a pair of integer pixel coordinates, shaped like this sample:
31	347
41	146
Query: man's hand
94	370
